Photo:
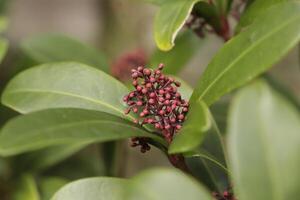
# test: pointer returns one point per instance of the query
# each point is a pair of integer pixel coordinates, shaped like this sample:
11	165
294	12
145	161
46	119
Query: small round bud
152	80
144	90
146	72
157	126
140	68
161	66
166	102
178	127
162	112
151	101
139	103
135	110
148	85
168	96
139	88
180	117
167	126
134	75
152	95
135	83
172	120
161	99
185	109
161	92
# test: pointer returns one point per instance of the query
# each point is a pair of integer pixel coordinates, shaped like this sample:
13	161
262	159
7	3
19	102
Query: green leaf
55	48
61	85
3	48
251	53
193	131
176	59
101	188
156	2
257	8
163	183
50	185
43	159
205	166
3	24
26	189
169	20
64	126
264	145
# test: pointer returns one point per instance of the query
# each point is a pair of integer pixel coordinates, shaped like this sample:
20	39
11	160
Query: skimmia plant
69	102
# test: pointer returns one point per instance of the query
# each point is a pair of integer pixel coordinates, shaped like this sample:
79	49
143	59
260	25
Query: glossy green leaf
64	126
49	185
26	189
163	184
3	48
255	10
169	20
251	53
264	145
101	188
193	131
56	48
60	85
176	59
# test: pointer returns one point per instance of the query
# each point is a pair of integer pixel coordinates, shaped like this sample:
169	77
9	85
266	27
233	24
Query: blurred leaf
3	48
176	59
192	133
264	145
60	85
26	189
45	158
163	184
156	2
55	48
169	20
251	53
50	185
64	126
257	8
3	24
101	188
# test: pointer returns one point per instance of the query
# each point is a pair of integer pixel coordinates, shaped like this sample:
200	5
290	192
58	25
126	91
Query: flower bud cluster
156	101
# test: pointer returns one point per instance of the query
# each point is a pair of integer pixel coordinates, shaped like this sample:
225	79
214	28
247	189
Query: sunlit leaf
60	85
163	183
101	188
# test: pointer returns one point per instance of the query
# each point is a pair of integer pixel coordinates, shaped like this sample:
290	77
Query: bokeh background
115	27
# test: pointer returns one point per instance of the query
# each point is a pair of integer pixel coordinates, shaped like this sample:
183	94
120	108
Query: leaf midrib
68	94
244	53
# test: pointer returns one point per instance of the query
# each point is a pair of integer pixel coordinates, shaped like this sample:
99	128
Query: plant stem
178	161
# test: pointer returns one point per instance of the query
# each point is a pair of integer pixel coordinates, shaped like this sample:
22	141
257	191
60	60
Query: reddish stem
224	32
178	161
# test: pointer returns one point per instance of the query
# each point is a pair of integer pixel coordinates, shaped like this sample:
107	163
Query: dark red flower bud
157	102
